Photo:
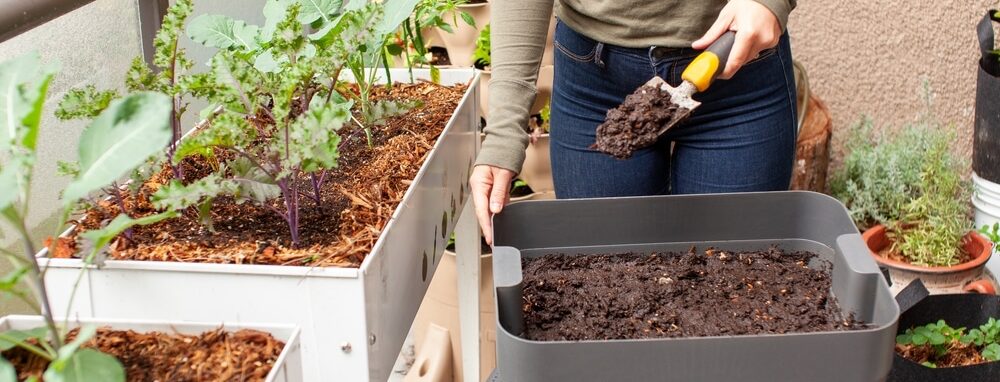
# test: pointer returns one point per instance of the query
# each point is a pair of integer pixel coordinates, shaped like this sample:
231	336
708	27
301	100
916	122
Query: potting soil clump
694	294
637	122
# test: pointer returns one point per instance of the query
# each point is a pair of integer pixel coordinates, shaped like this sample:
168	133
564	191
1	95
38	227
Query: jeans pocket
763	55
573	45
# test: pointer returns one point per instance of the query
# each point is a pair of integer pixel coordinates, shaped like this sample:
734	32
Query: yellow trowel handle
710	63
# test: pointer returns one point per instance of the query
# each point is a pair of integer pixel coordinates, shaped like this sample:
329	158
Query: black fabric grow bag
958	310
986	139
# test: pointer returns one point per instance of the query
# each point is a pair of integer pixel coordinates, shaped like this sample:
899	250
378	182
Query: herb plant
941	339
122	136
426	14
481	55
993	234
911	183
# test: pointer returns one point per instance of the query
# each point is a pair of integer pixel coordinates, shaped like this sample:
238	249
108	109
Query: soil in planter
693	294
958	354
357	201
636	123
214	356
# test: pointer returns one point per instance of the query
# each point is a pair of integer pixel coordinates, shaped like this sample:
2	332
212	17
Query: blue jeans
741	138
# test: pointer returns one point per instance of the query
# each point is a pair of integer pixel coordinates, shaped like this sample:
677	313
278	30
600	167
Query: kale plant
122	135
278	102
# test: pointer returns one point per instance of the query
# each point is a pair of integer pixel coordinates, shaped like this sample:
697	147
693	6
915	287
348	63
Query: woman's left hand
756	29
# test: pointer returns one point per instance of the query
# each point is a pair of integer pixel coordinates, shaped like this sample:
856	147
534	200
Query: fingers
721	25
742	50
481	182
498	196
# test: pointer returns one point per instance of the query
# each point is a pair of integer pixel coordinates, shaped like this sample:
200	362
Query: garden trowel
698	75
646	115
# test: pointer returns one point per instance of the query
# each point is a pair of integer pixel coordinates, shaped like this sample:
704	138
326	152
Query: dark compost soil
357	201
713	293
637	123
958	354
214	356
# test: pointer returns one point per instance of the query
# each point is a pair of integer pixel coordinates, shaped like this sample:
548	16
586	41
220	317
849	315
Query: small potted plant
906	192
121	137
461	40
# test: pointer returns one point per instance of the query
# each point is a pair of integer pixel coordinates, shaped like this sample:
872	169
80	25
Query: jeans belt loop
599	55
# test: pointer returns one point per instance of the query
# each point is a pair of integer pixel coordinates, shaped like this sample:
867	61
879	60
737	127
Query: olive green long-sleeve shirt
518	29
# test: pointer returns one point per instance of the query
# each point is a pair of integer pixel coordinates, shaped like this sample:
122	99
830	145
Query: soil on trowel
693	294
214	356
637	123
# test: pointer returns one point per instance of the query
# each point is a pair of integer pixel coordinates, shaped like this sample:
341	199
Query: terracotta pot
484	91
548	56
537	168
440	308
544	85
461	43
970	276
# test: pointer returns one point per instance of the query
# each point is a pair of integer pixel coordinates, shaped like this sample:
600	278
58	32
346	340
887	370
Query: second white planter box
288	367
353	321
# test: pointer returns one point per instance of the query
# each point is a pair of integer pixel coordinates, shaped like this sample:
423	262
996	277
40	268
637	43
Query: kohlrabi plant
278	103
123	134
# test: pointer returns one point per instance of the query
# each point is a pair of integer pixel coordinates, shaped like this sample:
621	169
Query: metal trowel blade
680	96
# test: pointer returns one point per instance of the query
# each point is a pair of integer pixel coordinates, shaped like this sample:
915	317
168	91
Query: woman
742	137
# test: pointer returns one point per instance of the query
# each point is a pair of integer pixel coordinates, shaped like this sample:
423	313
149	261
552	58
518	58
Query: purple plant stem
317	183
116	193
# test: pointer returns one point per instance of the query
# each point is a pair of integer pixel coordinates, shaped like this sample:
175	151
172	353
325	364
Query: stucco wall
871	57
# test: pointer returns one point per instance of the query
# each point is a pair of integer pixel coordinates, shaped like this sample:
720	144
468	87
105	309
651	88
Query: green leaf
396	11
252	183
902	339
468	18
121	138
13	337
383	110
10	280
176	196
9	185
274	12
85	102
70	169
86	365
227	130
23	84
101	237
219	31
265	62
319	10
435	74
7	372
929	364
313	139
937	339
919	339
991	352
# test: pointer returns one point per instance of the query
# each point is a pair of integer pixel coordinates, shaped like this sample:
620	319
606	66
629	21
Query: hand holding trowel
656	106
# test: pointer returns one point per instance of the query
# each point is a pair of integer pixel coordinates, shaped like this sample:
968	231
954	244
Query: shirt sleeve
517	35
780	8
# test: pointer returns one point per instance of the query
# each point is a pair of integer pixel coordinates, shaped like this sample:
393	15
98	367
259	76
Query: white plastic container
986	200
353	321
288	367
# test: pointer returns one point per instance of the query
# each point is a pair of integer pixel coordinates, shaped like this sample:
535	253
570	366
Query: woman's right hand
490	190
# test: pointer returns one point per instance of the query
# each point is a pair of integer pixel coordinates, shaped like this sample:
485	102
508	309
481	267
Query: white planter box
288	367
353	321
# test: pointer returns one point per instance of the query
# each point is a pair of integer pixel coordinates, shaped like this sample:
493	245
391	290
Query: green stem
37	281
29	347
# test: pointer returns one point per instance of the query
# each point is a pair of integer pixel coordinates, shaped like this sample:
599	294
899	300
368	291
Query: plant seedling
942	339
123	134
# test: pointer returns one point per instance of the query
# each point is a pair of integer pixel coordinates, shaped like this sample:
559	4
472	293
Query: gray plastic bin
791	220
